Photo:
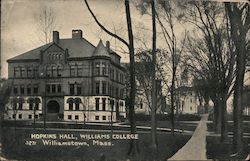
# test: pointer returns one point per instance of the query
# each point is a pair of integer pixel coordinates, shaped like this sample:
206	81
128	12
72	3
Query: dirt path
195	148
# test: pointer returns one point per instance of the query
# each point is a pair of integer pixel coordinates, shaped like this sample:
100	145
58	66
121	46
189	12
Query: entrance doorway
53	107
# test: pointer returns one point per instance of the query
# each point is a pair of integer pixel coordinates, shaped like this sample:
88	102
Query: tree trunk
223	118
154	95
133	149
206	105
217	119
238	101
172	109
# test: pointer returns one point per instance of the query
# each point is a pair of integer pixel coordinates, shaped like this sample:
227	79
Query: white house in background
189	103
246	110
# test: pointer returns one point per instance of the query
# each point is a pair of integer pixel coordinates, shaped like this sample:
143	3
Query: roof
101	50
76	48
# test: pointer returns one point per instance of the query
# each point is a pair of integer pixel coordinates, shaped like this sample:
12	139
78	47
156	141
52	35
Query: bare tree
130	44
46	22
213	54
239	20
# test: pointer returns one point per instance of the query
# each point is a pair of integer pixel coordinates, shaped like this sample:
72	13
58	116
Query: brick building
67	79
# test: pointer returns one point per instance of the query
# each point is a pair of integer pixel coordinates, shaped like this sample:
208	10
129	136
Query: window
72	89
77	106
22	89
191	100
72	71
53	71
30	116
53	88
141	105
112	73
96	117
48	88
59	71
28	89
117	92
97	68
71	106
103	117
36	106
121	93
36	116
15	90
104	68
104	88
79	89
116	75
97	104
22	72
79	70
35	70
20	116
31	105
97	88
16	72
191	108
121	78
69	117
14	116
104	104
29	72
76	117
35	88
59	88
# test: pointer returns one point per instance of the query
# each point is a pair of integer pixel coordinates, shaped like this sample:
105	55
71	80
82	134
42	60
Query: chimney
56	37
108	46
76	34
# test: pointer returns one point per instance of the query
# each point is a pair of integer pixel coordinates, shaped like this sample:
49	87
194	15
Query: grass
167	124
223	151
14	148
230	126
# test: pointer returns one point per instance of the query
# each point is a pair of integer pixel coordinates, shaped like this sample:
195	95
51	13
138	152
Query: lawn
14	147
222	151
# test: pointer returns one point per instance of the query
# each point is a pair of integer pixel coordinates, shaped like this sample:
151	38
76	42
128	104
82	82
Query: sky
19	31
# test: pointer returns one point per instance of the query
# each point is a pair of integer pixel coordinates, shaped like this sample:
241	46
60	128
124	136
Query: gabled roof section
76	47
32	54
101	50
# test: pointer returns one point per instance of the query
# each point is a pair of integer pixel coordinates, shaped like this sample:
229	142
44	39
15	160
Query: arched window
31	102
77	103
48	71
37	101
53	71
57	56
70	101
59	71
60	56
20	103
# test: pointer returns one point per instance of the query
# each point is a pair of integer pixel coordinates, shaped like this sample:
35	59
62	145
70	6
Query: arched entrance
53	107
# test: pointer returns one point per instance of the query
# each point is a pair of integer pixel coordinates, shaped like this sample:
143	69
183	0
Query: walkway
195	148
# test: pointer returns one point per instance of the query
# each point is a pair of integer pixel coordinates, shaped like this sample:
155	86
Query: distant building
67	79
143	100
188	101
246	94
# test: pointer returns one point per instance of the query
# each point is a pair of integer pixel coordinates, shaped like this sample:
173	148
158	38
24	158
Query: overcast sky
19	30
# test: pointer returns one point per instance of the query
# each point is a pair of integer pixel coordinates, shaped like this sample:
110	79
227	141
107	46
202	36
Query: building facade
67	79
188	101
